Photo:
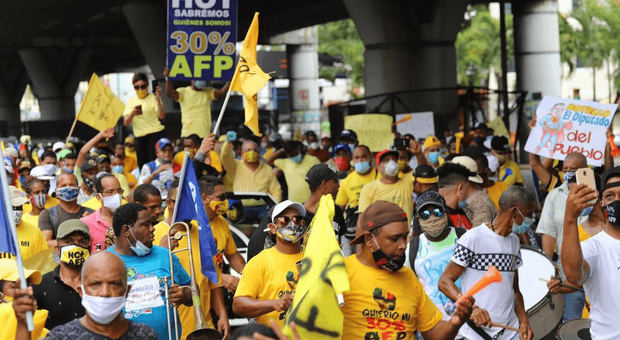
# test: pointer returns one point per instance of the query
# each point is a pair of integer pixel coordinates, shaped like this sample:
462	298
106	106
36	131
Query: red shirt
97	227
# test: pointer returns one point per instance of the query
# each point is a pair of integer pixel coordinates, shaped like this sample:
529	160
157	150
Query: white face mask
112	202
314	146
102	309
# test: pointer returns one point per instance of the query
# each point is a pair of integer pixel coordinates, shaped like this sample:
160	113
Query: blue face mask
67	170
462	204
569	176
362	167
118	169
297	159
140	249
67	194
391	168
433	157
200	84
586	211
524	226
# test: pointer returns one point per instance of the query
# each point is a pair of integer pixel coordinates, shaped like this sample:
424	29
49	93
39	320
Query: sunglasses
140	87
285	219
426	214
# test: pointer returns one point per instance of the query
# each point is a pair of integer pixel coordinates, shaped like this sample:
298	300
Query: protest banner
421	124
201	39
372	129
100	108
566	125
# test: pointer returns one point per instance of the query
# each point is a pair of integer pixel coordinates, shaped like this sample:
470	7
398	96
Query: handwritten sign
144	294
201	39
421	124
100	108
372	129
564	126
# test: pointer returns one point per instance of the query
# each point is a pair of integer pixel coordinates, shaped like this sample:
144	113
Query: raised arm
277	154
107	133
576	269
160	105
219	93
170	91
609	159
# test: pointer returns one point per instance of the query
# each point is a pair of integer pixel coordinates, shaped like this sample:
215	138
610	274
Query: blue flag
189	207
7	244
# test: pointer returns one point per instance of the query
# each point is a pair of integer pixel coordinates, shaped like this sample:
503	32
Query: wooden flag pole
72	127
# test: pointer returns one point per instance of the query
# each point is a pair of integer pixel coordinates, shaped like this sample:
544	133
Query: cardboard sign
201	39
564	126
372	129
420	125
144	294
100	108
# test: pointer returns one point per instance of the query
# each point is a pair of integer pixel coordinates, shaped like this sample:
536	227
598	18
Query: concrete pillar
55	74
12	86
147	20
537	46
410	46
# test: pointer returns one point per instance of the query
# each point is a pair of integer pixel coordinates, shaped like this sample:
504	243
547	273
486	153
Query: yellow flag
322	277
249	78
100	108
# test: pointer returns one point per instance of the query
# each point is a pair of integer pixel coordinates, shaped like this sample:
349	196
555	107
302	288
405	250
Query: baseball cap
8	272
88	164
69	226
58	146
18	197
280	207
431	141
161	143
347	134
471	165
102	158
500	143
322	172
24	165
63	153
42	172
344	147
425	174
384	153
377	215
607	175
429	197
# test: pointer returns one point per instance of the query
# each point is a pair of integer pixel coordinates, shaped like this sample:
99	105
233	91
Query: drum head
575	330
535	266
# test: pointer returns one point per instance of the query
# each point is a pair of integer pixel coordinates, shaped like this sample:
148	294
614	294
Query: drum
574	330
544	310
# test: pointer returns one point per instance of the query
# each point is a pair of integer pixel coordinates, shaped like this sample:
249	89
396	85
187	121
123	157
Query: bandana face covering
385	262
291	232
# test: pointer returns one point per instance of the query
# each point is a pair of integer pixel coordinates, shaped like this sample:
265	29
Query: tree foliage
340	39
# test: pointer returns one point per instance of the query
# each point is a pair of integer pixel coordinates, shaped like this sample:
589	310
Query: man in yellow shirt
508	171
195	101
192	144
295	167
386	300
31	239
389	187
268	281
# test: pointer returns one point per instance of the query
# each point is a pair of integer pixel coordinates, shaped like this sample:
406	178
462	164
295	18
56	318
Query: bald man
104	291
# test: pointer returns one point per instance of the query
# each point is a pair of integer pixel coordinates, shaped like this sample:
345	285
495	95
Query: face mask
89	182
251	156
434	225
314	145
118	169
39	200
351	147
524	226
297	159
17	216
462	204
67	170
68	194
612	212
586	211
385	262
142	93
112	202
74	255
305	143
362	167
402	165
200	84
263	145
140	249
102	309
341	163
291	232
391	168
433	157
220	207
50	168
569	177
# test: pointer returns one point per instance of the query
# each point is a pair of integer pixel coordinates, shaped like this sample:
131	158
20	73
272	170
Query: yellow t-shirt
268	276
215	160
31	239
383	305
129	164
51	201
351	186
398	193
295	174
195	111
495	192
510	173
9	323
223	239
148	122
186	313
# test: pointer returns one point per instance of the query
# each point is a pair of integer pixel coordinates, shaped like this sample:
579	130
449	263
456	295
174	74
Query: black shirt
63	302
75	330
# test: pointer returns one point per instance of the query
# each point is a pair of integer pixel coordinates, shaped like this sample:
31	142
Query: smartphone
154	84
586	176
402	143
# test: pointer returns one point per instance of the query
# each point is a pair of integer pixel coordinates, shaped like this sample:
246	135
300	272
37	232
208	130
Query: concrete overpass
409	45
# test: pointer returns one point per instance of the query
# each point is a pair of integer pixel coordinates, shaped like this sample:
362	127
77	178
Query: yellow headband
426	180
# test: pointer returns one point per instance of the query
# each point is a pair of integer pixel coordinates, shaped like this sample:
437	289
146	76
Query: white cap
471	165
18	197
10	151
43	172
280	207
58	146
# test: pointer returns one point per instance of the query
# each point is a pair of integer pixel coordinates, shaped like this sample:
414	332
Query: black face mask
385	262
612	210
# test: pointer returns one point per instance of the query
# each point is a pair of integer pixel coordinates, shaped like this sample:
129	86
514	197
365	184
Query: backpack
414	244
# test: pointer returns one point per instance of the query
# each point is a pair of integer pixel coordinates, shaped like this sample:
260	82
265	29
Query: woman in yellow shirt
38	198
144	112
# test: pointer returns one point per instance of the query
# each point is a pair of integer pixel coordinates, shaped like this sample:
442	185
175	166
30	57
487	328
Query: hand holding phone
586	176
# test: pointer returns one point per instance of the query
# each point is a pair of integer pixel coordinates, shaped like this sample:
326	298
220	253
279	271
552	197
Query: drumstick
504	326
561	284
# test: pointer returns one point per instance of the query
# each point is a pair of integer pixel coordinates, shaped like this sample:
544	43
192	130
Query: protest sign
372	129
421	124
565	125
100	108
144	294
201	39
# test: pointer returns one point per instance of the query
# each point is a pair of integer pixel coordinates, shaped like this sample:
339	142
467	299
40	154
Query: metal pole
502	35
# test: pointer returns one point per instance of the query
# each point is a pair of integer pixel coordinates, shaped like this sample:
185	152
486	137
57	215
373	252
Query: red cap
384	153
